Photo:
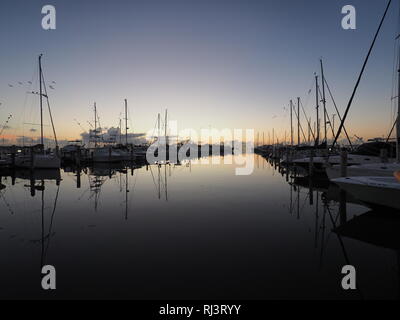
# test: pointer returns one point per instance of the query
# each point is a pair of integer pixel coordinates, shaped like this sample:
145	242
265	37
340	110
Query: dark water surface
188	232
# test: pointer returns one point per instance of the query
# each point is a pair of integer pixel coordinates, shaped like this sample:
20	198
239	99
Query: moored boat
374	191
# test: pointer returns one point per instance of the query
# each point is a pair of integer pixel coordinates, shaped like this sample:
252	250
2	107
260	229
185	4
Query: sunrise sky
219	63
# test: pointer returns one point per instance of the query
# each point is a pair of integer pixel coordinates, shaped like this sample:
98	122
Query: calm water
188	232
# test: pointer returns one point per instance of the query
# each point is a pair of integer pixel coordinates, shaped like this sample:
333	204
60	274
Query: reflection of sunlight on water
271	233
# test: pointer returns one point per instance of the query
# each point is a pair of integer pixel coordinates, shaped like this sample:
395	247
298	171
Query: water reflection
190	231
376	227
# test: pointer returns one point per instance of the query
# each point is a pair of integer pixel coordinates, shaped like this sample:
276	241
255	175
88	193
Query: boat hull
39	162
373	170
373	191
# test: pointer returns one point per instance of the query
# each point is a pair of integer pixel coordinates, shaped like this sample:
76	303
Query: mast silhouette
324	103
126	121
41	101
317	107
398	108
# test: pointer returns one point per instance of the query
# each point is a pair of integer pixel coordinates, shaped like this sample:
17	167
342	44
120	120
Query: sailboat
40	159
327	159
378	190
110	153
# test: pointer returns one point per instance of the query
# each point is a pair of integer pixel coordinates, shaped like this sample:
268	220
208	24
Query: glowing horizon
226	65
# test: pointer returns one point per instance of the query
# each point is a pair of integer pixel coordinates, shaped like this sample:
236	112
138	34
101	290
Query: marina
200	150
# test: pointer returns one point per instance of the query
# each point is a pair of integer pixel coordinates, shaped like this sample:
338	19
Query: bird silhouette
10	85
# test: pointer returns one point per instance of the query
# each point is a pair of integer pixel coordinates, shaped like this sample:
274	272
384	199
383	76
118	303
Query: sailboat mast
324	102
317	107
158	131
120	135
95	125
126	195
398	109
126	121
298	121
273	136
41	100
291	123
165	126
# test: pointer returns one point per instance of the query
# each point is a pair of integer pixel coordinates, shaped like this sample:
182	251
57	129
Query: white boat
378	191
111	153
369	169
299	155
40	161
320	163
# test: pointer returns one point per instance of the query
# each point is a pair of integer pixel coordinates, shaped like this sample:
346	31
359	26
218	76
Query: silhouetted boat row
370	171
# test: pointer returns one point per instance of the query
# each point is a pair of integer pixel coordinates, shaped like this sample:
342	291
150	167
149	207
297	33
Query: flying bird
19	82
30	82
10	85
51	87
53	82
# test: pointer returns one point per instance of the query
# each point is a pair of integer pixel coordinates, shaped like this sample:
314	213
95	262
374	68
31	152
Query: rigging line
327	116
337	111
391	131
48	106
22	115
343	248
339	237
394	68
52	218
360	75
309	92
308	121
6	203
154	181
154	130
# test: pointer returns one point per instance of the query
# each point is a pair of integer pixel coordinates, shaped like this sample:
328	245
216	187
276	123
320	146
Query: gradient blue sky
228	64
